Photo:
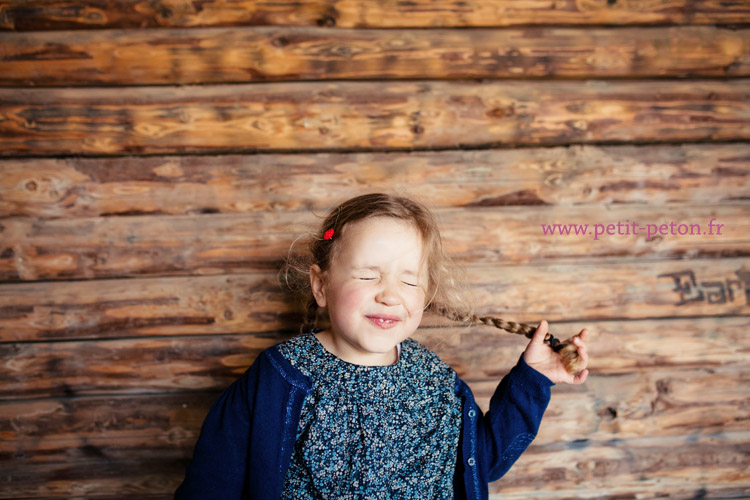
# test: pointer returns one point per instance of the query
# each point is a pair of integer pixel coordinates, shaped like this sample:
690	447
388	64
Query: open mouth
384	322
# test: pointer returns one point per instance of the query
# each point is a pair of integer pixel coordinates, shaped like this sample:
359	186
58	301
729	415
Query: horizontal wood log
63	14
149	479
145	307
651	467
255	302
58	430
368	115
34	249
223	55
578	175
618	348
127	366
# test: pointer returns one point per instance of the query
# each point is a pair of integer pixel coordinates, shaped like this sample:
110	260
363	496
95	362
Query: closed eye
410	284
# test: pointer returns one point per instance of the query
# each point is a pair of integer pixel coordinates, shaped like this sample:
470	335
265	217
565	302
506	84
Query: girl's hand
546	361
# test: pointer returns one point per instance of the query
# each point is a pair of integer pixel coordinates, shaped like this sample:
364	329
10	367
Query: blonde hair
445	289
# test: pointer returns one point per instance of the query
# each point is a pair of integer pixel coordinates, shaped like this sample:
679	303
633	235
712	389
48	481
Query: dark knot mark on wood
14	312
114	328
502	112
90	450
608	413
163	10
281	41
631	185
52	53
328	20
416	126
523	197
578	444
198	5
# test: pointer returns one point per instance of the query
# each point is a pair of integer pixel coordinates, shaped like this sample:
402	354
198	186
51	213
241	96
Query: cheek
351	297
415	302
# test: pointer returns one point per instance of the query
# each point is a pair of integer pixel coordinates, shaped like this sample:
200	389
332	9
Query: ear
317	283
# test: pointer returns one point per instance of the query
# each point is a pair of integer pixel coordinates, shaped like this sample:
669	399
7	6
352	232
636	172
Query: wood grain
672	467
614	415
620	350
224	55
144	307
620	423
599	470
63	14
132	366
560	176
368	115
140	478
246	303
127	366
34	249
686	380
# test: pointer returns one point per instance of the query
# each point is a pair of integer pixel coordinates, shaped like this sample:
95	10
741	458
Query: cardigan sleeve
218	468
247	439
513	419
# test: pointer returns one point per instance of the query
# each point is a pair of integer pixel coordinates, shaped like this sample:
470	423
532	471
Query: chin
382	342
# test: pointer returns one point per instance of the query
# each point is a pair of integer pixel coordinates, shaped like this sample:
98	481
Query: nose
388	294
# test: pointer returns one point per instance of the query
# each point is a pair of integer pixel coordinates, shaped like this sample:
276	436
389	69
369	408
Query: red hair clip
328	234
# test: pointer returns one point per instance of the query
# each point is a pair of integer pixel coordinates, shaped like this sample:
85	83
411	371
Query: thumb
539	333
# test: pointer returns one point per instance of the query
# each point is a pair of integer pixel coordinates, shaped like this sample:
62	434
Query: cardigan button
472	414
471	462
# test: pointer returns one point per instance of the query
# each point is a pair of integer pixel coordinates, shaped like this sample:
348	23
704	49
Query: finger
581	377
584	335
583	356
539	334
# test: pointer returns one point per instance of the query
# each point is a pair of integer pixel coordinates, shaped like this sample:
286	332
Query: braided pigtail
310	318
567	350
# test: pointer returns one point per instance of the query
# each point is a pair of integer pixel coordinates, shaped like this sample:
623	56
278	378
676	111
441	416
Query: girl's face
374	290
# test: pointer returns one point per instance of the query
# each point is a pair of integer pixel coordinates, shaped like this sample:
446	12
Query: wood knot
164	11
608	413
281	41
327	21
502	112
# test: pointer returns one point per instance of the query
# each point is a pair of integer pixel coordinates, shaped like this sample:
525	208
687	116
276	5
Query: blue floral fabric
374	432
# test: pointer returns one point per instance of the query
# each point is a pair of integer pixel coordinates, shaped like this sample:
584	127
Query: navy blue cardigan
246	442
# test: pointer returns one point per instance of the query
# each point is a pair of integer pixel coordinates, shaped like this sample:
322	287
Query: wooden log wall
158	158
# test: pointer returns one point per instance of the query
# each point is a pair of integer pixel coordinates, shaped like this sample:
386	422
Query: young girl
353	408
